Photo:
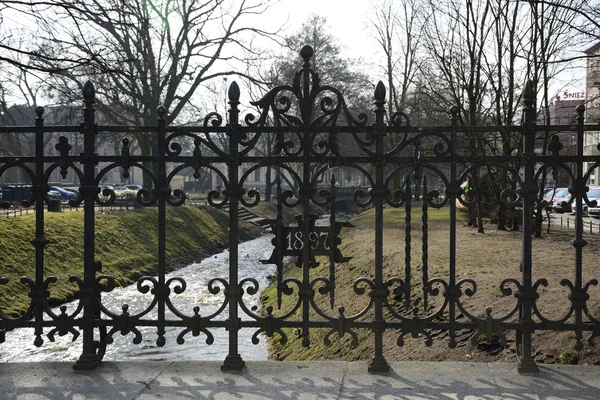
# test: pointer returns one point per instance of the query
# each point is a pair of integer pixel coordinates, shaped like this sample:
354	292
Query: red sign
573	95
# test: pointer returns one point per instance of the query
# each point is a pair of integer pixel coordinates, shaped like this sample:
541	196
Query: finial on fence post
529	92
89	94
454	113
161	111
306	52
234	101
379	103
39	110
304	76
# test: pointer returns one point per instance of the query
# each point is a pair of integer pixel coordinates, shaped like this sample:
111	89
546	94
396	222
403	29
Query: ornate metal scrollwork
323	155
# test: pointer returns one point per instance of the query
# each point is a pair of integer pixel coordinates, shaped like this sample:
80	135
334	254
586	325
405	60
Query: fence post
89	358
380	291
162	192
453	191
579	295
233	361
306	190
527	294
38	295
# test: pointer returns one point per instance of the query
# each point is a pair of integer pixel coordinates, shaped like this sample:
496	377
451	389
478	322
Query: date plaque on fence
289	241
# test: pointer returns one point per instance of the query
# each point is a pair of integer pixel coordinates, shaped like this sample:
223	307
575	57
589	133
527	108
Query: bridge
309	135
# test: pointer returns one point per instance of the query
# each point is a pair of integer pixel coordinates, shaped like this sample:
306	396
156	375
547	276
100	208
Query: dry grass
487	259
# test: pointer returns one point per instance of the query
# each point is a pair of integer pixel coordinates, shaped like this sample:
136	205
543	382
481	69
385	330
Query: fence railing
311	134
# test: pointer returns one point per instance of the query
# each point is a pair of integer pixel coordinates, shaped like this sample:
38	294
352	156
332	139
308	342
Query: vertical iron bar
279	239
527	294
88	359
578	297
379	292
162	191
452	293
425	248
332	243
233	361
306	192
407	241
40	241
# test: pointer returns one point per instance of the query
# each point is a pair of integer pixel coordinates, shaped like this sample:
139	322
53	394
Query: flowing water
19	343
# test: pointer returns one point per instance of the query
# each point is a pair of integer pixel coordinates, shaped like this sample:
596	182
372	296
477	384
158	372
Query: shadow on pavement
296	380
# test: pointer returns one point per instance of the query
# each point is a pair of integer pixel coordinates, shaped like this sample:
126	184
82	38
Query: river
19	343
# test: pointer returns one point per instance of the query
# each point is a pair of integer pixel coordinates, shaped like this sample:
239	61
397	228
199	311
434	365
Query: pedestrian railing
303	133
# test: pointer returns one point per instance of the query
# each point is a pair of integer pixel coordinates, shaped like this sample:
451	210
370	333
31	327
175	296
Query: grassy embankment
353	245
487	259
125	242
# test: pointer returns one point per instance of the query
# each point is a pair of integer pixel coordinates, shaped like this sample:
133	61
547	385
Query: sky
347	20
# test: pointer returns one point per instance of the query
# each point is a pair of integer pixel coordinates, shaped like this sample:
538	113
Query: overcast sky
347	20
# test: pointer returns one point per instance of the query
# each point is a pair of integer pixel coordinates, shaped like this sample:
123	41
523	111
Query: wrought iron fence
312	133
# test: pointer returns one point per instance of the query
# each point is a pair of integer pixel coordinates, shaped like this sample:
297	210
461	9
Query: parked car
558	200
63	194
54	194
134	187
108	187
593	194
124	193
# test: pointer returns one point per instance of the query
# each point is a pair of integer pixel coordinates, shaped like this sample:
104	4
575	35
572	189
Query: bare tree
457	35
398	29
552	33
140	54
480	54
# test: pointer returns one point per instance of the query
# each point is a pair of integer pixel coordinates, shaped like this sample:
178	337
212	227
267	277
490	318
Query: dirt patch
487	259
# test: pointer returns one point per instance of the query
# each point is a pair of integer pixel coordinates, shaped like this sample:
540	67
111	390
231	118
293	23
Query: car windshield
562	193
594	193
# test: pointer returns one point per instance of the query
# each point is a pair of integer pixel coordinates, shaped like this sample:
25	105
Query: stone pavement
297	380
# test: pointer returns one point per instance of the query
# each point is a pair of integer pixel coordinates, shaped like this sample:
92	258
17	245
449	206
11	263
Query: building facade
592	103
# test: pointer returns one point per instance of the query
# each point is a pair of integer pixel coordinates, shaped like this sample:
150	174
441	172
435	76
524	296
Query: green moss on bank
126	243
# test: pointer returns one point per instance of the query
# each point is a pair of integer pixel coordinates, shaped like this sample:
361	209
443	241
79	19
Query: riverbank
487	259
125	242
